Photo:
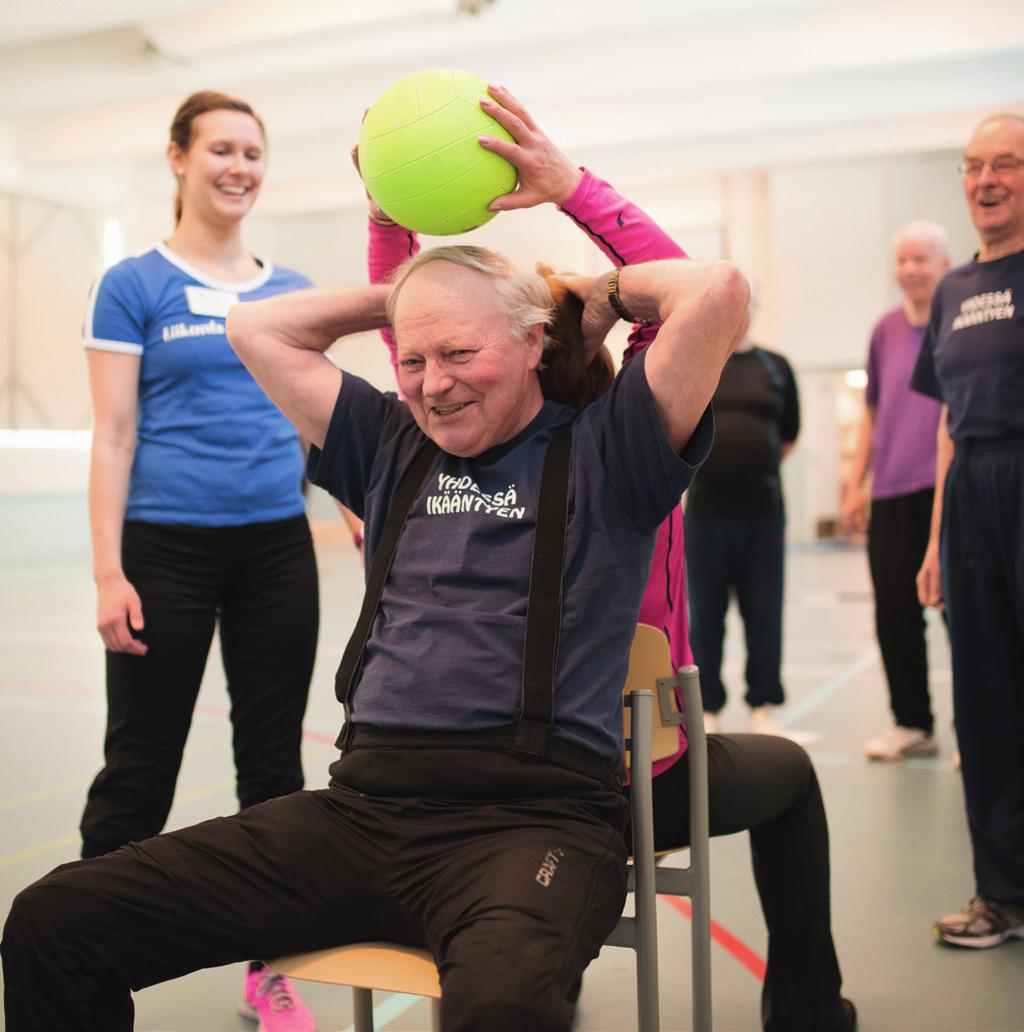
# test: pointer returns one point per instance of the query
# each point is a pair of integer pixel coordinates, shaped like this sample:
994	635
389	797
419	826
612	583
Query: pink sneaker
271	1000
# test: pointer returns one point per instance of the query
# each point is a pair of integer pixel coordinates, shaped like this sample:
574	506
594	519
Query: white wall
50	255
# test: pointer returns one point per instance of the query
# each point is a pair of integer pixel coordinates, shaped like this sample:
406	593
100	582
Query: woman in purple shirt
897	441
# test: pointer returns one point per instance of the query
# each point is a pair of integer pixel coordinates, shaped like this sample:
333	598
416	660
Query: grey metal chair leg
700	863
362	1010
642	706
435	1015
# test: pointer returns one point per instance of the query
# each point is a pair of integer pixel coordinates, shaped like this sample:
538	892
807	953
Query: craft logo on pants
549	866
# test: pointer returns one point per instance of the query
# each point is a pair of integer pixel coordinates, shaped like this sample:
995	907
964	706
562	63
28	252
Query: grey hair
921	230
524	296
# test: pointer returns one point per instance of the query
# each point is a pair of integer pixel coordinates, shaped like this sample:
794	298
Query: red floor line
313	736
319	736
754	963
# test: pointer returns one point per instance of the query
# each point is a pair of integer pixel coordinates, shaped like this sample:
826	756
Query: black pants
766	785
743	554
983	585
513	884
897	539
260	582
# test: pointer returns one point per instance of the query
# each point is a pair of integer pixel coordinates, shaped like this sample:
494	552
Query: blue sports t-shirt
446	648
212	449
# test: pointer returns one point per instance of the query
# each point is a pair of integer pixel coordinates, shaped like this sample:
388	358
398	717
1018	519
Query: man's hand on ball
545	173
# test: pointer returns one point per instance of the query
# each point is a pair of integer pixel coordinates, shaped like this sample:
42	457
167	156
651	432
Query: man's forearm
653	290
863	448
943	458
309	320
281	341
703	308
929	577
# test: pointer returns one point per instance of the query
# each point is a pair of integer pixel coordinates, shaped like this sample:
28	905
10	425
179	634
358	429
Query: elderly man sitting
510	541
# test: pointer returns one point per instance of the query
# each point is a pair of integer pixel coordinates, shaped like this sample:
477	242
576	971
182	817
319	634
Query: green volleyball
420	157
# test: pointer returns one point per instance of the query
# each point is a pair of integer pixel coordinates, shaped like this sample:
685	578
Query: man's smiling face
996	200
470	384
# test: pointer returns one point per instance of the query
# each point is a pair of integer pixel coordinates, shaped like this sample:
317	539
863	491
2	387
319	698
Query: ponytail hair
565	375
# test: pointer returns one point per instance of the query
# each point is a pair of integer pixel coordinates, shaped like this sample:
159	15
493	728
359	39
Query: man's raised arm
704	311
282	340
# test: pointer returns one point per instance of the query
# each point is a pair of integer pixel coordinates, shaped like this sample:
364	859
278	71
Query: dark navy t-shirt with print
972	357
446	648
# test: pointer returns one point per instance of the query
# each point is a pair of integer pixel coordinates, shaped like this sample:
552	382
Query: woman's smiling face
222	170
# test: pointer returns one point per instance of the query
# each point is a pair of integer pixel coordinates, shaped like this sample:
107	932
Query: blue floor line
830	687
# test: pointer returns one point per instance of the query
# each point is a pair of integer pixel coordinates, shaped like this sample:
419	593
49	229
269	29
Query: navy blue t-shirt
972	358
446	648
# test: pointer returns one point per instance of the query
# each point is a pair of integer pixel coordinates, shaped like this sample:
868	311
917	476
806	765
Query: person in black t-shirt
972	360
734	530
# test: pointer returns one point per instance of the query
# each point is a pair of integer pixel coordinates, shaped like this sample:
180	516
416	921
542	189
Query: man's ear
535	344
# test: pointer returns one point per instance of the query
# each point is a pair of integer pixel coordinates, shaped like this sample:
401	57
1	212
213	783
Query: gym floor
899	846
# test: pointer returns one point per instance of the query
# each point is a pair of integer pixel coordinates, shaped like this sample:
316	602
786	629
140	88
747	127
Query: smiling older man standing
972	360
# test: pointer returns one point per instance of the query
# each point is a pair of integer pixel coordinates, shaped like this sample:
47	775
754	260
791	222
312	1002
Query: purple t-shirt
903	454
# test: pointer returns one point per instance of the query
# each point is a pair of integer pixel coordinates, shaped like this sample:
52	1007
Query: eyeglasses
1004	165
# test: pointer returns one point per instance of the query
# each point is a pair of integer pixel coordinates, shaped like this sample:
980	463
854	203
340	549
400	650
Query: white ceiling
655	88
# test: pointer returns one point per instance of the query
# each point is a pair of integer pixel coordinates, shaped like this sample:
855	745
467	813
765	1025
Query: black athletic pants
983	586
259	581
511	871
897	539
766	785
745	555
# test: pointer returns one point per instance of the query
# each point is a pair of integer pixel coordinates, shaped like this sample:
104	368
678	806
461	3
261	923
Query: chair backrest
650	659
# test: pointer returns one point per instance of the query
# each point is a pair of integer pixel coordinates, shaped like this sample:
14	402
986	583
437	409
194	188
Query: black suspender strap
544	607
401	503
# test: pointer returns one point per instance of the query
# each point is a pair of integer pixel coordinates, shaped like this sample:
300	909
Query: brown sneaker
982	924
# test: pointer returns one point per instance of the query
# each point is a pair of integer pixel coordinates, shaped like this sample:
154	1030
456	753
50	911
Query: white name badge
206	301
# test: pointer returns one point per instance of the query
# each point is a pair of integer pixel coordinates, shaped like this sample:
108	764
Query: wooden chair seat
367	965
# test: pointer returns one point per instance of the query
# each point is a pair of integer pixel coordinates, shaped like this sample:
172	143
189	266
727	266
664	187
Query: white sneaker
711	725
763	722
900	743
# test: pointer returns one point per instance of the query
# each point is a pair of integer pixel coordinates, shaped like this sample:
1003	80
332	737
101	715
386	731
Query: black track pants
513	886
